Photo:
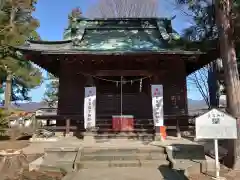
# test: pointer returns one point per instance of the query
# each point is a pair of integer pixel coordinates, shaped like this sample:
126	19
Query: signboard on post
216	125
157	104
90	107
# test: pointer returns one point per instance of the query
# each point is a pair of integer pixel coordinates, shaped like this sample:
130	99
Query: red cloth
124	123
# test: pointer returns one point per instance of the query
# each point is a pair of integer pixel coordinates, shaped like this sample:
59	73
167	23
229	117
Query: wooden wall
175	92
72	83
71	91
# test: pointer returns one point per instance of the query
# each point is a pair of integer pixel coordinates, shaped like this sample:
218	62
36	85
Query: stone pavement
106	166
163	173
40	147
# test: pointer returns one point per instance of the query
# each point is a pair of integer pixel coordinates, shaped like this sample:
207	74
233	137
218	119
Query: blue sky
52	15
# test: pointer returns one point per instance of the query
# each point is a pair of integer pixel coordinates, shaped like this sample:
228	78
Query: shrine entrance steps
137	129
112	157
117	159
140	136
103	163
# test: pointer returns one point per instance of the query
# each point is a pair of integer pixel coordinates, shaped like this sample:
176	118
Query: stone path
117	172
163	173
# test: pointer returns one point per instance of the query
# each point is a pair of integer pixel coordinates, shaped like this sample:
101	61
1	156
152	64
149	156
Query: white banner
90	107
157	104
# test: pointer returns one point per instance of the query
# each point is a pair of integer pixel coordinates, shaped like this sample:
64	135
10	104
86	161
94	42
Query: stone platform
66	156
73	155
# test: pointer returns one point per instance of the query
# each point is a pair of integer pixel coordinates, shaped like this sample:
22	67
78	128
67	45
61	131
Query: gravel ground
26	175
13	144
230	175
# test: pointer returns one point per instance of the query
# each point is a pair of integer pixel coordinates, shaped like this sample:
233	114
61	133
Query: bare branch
199	80
123	8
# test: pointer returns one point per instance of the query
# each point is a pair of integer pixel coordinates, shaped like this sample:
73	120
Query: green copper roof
109	36
123	35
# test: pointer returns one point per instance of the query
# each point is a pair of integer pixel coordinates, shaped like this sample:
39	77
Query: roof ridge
124	18
49	42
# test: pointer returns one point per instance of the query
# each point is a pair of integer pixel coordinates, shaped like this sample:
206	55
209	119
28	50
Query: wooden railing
75	123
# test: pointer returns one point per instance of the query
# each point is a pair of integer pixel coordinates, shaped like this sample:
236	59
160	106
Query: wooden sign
216	124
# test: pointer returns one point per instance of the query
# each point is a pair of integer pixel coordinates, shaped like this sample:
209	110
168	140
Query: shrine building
122	58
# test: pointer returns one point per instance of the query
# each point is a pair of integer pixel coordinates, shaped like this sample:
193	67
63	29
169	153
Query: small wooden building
143	51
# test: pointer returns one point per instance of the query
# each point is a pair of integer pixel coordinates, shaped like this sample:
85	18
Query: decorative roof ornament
146	24
162	30
77	31
77	25
175	36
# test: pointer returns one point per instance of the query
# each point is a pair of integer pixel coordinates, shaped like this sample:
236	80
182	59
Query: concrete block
189	159
92	165
35	165
59	160
57	167
209	164
51	168
60	157
89	139
65	166
154	163
62	149
52	139
132	163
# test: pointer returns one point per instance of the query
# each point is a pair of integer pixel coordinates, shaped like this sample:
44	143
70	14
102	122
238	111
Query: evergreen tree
3	121
16	26
51	93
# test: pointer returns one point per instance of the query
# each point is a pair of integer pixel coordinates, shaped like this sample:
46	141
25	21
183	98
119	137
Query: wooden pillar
175	95
71	93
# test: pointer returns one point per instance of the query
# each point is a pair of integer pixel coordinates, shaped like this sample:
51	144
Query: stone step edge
62	149
123	159
125	155
141	154
113	164
150	148
121	151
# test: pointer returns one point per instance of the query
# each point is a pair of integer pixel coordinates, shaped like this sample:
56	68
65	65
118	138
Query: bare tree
207	83
123	8
199	79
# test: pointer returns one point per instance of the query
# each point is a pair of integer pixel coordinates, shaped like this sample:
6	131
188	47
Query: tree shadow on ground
187	152
171	174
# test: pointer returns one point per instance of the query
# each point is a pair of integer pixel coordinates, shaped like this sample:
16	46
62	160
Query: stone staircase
118	159
92	158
